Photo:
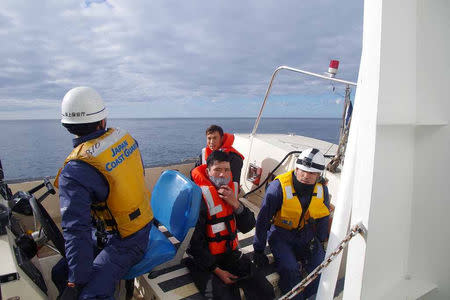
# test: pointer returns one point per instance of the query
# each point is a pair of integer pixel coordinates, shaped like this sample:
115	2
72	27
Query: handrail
255	127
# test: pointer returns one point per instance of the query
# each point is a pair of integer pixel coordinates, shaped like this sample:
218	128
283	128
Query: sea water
37	148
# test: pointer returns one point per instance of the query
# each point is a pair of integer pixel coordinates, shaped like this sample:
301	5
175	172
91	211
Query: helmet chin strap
102	125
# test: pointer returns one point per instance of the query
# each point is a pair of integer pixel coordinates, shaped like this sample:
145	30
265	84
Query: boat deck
174	282
177	283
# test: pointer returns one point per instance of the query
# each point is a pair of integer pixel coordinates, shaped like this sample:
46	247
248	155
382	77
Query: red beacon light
333	68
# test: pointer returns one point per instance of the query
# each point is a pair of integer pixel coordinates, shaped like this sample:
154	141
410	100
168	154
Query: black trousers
255	285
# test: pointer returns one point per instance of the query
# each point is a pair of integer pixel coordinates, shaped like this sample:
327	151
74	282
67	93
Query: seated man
218	268
101	182
216	139
295	211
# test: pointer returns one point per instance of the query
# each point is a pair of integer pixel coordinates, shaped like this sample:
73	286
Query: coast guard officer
102	189
294	215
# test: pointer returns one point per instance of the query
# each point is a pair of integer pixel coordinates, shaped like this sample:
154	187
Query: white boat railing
255	127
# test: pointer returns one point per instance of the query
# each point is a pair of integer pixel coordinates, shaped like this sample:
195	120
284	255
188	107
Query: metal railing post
255	127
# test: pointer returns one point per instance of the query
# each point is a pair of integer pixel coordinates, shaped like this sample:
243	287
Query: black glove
70	293
260	259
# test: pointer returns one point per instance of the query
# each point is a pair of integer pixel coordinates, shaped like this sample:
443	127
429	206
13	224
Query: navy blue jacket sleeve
322	223
236	166
79	186
273	199
245	220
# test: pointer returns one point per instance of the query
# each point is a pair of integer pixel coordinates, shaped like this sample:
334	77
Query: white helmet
311	160
82	105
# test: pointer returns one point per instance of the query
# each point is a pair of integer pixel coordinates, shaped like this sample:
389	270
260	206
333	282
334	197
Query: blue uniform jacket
80	184
272	202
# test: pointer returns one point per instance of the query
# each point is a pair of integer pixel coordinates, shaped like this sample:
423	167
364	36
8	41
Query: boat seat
177	283
176	203
159	250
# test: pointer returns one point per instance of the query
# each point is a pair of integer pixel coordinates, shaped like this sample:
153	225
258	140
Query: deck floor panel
176	282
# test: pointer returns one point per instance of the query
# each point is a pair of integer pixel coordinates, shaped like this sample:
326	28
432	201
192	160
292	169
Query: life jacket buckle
100	234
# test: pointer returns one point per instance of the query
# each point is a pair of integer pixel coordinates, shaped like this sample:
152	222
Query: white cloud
144	51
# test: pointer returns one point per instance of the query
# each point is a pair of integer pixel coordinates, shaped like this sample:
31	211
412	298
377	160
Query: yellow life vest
116	156
288	216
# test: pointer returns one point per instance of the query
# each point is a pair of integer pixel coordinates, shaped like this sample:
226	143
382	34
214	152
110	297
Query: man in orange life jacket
218	268
102	180
216	139
294	215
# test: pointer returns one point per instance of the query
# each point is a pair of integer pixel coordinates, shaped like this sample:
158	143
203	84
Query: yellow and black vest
116	156
288	216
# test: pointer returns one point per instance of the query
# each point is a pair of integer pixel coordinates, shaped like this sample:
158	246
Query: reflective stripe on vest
227	147
288	216
203	156
116	156
212	208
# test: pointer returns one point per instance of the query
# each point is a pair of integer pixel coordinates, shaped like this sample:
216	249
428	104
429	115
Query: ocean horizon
159	118
33	149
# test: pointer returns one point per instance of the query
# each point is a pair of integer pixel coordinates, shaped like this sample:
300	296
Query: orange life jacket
227	146
221	231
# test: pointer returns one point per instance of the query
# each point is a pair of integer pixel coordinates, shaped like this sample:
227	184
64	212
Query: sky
166	58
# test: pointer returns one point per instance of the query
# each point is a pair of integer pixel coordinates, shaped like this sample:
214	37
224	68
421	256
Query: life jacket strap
100	221
219	238
109	222
229	243
100	234
100	207
215	220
